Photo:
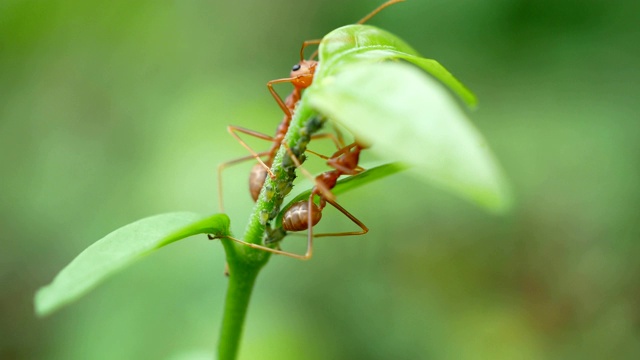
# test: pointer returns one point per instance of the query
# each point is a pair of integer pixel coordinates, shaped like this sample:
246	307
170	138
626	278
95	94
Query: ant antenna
380	8
307	43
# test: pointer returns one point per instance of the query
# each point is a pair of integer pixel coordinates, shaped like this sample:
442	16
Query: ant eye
296	67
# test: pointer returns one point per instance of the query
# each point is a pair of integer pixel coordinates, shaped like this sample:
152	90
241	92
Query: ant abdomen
256	180
296	218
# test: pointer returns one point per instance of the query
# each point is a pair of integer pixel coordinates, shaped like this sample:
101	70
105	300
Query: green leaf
409	117
341	43
119	249
443	75
359	44
350	183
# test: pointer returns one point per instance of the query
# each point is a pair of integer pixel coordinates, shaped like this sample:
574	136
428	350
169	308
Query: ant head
302	73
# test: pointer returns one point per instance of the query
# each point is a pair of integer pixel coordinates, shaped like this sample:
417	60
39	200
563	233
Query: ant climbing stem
305	214
261	169
301	77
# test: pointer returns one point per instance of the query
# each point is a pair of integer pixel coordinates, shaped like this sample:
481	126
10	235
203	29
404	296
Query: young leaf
408	116
338	45
360	44
119	249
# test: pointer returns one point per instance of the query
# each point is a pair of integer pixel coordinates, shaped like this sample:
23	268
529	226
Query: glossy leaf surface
408	116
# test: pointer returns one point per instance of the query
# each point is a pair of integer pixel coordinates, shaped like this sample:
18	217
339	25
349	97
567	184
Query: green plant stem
245	262
241	280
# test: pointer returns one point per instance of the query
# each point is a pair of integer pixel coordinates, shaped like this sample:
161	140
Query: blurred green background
113	111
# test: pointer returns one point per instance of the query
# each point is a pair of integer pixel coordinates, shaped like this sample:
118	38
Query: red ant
301	77
305	214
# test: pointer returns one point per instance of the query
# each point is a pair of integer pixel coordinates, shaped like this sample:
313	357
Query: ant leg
344	169
347	171
338	135
324	190
343	150
263	248
323	157
351	217
277	97
337	140
309	251
226	164
232	130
